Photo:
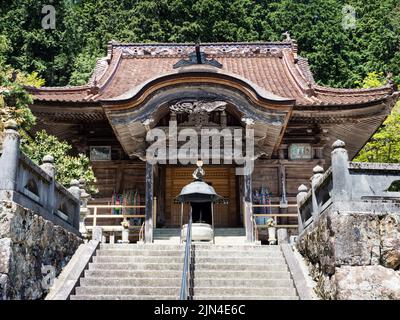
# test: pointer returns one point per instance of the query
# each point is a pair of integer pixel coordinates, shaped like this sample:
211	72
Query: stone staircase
153	271
247	272
133	272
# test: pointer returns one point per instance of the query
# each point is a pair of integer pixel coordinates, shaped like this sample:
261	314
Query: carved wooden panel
222	178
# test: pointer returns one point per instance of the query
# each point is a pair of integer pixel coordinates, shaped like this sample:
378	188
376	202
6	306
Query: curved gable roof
272	67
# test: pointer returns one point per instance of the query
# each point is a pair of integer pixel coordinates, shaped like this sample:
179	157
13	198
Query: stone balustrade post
97	234
74	189
318	173
49	167
10	157
302	193
76	192
84	211
282	235
341	181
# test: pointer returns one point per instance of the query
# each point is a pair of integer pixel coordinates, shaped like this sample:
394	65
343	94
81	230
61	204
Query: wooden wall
222	179
119	176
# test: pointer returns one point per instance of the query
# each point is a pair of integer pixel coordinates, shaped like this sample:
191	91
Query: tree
338	56
372	80
67	167
14	99
384	146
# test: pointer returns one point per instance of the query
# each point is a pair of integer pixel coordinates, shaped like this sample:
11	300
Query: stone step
123	297
138	259
257	260
134	246
143	291
242	291
133	297
129	282
127	252
243	283
234	247
122	274
198	253
198	246
237	241
233	253
260	261
217	231
198	283
114	266
111	267
203	297
240	267
229	274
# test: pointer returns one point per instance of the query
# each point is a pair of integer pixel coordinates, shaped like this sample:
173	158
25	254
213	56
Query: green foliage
384	145
339	57
14	99
83	68
372	80
68	166
4	48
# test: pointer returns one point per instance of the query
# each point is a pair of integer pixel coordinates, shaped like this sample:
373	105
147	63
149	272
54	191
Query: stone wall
354	255
28	242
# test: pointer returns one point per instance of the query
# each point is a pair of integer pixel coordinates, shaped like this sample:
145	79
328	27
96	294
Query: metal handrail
185	284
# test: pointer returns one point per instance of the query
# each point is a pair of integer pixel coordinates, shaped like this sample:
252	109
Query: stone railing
348	186
34	187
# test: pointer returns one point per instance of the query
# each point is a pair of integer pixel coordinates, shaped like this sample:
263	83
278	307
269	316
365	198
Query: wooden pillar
283	203
161	196
248	207
149	203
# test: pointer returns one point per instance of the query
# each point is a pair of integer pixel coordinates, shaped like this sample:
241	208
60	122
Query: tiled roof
274	67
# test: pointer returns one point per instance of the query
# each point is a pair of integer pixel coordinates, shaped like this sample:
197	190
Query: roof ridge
109	78
61	88
299	78
99	70
327	89
168	44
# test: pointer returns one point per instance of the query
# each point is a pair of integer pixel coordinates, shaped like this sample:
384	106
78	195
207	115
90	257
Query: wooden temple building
265	86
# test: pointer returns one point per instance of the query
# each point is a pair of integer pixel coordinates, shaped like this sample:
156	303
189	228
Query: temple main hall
265	86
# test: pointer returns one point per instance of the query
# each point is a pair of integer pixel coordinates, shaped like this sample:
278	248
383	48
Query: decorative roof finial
94	88
198	54
197	57
199	173
287	35
389	78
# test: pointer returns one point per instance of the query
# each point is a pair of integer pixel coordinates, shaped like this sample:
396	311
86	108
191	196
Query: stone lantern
201	197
